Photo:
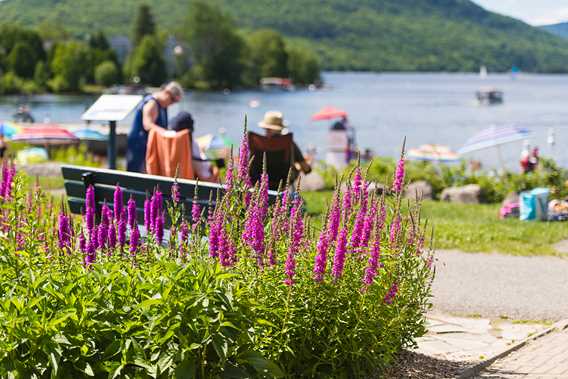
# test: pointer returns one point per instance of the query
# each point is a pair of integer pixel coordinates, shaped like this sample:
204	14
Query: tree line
210	53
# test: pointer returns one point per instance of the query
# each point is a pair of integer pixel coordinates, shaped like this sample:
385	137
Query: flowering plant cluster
244	288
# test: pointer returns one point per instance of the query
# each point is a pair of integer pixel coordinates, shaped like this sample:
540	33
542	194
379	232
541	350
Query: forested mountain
450	35
560	29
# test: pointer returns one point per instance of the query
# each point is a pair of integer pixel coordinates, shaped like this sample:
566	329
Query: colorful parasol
9	129
433	153
329	113
45	134
90	134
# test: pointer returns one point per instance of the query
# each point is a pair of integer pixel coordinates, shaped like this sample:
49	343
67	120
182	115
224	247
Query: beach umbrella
494	137
45	134
329	113
8	129
433	153
215	146
90	134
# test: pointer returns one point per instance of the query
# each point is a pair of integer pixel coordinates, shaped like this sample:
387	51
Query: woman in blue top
152	112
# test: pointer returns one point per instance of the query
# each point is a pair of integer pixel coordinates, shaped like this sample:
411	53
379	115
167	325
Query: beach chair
278	151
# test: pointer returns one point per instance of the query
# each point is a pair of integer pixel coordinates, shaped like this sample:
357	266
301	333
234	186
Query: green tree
147	62
70	66
144	24
29	48
21	60
216	47
304	66
268	55
41	74
98	41
106	74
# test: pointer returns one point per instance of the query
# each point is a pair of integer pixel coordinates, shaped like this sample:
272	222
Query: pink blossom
339	257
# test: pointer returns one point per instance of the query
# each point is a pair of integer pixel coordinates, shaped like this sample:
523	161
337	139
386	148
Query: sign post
111	108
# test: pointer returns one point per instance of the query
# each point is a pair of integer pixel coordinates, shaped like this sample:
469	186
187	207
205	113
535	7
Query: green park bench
139	186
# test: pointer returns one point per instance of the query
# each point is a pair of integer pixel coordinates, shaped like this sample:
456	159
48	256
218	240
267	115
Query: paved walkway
495	285
546	357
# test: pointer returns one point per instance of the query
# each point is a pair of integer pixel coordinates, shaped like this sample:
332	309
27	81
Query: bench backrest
104	181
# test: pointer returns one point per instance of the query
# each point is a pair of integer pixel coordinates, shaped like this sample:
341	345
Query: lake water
384	108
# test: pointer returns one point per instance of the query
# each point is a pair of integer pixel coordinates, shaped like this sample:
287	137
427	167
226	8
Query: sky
534	12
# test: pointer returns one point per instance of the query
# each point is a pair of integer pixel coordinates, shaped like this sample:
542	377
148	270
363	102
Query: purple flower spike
372	264
357	183
357	234
131	211
184	233
102	236
82	243
64	231
118	202
147	215
176	196
368	225
227	250
290	267
91	256
391	294
243	173
214	234
347	204
122	229
159	228
339	257
399	177
134	241
112	236
321	256
229	177
395	229
90	208
195	211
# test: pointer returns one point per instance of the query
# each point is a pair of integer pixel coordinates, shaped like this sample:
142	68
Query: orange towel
168	151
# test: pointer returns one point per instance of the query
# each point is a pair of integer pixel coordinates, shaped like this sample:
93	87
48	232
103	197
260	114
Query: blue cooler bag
534	204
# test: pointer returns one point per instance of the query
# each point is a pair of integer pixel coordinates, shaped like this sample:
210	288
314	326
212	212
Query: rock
469	194
419	190
312	182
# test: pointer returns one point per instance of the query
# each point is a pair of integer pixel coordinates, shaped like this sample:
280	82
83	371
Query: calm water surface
426	108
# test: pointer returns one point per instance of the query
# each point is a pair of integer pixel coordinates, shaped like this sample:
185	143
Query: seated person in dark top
202	168
273	125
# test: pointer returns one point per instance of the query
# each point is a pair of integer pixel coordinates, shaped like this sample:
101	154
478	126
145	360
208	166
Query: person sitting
151	113
282	153
23	115
202	167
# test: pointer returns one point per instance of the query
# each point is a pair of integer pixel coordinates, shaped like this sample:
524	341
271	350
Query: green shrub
106	74
249	294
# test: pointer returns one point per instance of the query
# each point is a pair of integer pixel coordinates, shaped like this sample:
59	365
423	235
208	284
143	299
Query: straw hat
273	120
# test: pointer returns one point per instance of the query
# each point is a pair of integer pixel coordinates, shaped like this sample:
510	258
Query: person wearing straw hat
274	124
151	113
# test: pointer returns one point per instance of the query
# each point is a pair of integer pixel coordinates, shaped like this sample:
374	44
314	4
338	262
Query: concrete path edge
476	369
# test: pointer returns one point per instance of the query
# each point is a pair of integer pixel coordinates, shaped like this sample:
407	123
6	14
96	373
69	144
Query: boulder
469	194
419	190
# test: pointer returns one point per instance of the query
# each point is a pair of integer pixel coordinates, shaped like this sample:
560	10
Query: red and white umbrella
329	113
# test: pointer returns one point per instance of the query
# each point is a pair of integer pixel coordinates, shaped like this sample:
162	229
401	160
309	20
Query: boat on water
280	84
483	72
489	96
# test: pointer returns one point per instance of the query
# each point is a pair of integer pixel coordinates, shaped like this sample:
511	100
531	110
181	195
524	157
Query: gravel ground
420	366
495	285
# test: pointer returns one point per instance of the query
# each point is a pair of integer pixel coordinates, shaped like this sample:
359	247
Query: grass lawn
474	228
